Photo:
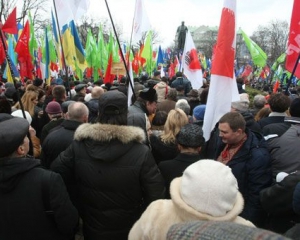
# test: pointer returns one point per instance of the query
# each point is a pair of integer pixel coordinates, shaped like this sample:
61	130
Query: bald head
78	111
97	92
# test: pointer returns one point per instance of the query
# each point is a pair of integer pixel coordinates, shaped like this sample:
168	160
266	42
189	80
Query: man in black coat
115	173
189	141
60	138
34	203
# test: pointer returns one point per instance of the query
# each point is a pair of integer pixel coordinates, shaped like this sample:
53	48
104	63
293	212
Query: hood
160	85
12	170
103	139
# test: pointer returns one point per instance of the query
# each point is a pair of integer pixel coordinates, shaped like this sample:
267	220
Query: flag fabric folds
293	49
259	57
223	87
191	63
141	23
10	26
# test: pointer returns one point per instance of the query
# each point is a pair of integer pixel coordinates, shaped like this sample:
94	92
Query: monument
181	34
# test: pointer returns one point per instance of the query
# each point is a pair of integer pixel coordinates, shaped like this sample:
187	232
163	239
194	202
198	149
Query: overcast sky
166	15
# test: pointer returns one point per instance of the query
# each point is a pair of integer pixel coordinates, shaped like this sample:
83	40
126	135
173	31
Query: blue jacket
252	168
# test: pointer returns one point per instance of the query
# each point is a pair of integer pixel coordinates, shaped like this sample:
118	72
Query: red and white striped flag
293	50
223	87
191	63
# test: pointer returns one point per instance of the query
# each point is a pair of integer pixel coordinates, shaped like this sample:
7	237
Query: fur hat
190	135
199	111
243	104
209	187
53	108
148	94
19	113
113	103
12	134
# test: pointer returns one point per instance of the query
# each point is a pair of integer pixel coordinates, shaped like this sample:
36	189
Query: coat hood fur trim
185	211
106	133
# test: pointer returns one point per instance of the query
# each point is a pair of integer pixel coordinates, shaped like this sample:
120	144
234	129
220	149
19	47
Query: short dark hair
179	74
279	102
235	121
59	92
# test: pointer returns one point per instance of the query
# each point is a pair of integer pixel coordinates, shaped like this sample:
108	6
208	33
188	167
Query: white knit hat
209	187
19	113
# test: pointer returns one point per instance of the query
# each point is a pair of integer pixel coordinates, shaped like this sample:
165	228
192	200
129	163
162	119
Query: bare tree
272	38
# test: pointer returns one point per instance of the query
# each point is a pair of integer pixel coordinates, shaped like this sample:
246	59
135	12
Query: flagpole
63	53
12	72
120	49
293	72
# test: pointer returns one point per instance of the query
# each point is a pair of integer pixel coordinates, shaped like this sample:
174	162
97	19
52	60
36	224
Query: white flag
191	63
68	10
141	21
223	87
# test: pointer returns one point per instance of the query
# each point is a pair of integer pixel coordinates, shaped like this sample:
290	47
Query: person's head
159	120
38	83
29	100
113	108
156	74
78	111
232	127
172	94
262	113
204	179
295	108
259	101
148	98
5	106
175	120
198	112
242	105
279	102
190	138
13	137
183	105
204	95
81	88
96	92
59	93
11	95
178	74
53	109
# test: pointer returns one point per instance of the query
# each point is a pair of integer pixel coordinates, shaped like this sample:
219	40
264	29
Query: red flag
135	64
109	78
22	49
10	26
293	49
2	51
276	86
223	87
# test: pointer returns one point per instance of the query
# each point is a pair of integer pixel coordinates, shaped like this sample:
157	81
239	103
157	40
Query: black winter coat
23	202
57	141
93	106
115	175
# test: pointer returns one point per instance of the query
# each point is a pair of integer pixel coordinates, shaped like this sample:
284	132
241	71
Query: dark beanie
148	94
295	108
190	135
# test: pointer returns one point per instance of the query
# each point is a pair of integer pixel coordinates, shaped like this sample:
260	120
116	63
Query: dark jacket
174	168
166	105
269	120
162	151
250	122
93	106
49	127
252	168
184	82
57	141
277	201
79	97
22	208
296	199
116	177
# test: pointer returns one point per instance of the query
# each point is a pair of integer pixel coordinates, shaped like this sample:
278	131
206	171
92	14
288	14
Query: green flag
147	52
32	41
102	51
259	57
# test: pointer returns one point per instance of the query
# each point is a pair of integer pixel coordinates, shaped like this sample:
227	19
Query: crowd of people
77	162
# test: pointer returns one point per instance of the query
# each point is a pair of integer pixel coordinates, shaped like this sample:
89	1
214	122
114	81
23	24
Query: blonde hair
175	120
27	100
262	113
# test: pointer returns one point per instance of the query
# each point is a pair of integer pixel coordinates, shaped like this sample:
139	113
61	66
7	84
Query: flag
293	49
2	51
68	10
223	87
10	26
191	63
22	49
147	52
160	57
108	78
56	40
19	31
259	57
141	23
47	54
102	51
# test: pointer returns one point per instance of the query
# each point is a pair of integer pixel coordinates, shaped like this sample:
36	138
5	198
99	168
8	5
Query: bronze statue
181	31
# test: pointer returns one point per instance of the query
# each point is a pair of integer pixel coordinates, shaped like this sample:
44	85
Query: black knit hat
190	135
